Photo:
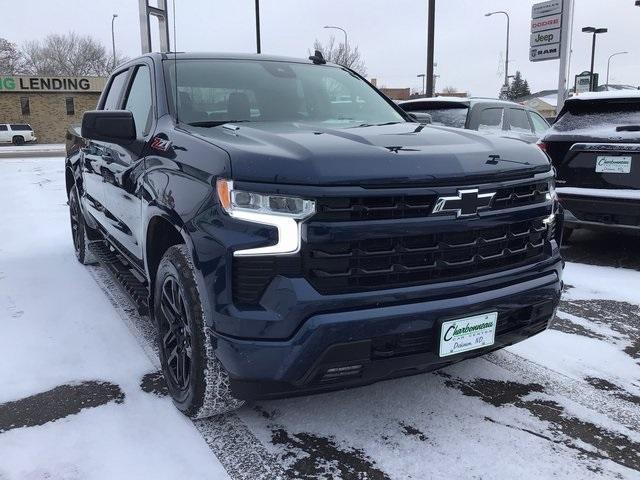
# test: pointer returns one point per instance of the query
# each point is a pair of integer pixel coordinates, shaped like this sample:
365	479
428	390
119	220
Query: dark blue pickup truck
292	231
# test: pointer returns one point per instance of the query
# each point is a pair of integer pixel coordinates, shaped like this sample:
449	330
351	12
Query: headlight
283	212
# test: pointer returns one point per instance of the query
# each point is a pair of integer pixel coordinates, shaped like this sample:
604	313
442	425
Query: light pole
423	76
613	55
595	32
431	33
113	38
346	43
506	60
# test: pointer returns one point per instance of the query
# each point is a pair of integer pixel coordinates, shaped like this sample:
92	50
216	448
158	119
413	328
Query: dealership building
48	104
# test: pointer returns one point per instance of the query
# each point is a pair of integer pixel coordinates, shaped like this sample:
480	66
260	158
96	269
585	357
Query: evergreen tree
518	88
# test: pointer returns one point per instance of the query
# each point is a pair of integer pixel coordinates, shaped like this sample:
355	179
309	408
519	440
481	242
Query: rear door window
519	121
112	101
3	128
491	120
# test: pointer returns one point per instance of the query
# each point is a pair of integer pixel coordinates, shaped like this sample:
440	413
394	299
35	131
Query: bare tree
10	58
69	55
337	53
449	90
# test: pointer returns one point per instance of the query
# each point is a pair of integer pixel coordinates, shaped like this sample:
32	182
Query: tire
566	234
18	140
79	230
195	378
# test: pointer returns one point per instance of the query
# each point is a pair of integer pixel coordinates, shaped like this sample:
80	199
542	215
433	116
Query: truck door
122	195
96	155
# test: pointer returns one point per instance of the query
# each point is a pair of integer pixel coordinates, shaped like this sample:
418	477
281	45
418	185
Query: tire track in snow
228	437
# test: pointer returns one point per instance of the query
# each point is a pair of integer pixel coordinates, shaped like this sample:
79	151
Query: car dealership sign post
550	38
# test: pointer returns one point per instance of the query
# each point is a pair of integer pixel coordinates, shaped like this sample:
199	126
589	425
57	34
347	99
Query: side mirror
113	126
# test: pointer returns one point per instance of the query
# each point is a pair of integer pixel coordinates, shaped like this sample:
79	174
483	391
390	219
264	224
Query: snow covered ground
80	397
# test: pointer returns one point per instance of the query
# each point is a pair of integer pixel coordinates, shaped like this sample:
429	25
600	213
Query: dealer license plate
470	333
613	164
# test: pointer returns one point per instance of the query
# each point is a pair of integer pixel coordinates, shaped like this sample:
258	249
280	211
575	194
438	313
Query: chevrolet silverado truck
594	146
290	230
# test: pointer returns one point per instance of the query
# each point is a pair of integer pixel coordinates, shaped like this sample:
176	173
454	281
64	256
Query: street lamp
258	45
595	32
613	55
423	76
506	61
346	44
113	39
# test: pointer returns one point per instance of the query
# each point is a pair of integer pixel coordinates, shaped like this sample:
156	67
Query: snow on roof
550	100
614	94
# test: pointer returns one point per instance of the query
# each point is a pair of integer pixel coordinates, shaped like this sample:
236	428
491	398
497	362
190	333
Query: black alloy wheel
176	335
76	227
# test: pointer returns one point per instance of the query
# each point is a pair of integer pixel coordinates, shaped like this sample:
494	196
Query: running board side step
128	279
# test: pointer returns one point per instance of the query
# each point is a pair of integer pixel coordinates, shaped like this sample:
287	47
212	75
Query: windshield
213	92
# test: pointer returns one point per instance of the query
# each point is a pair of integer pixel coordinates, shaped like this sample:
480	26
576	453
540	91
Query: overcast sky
391	34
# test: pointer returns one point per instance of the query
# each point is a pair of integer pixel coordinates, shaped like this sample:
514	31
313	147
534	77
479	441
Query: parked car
595	148
499	117
16	133
287	245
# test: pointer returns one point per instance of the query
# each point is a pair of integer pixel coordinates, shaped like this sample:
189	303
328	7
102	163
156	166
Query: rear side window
598	117
115	91
491	120
3	128
519	121
20	126
139	100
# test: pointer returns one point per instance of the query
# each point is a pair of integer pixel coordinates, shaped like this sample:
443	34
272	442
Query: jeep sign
545	38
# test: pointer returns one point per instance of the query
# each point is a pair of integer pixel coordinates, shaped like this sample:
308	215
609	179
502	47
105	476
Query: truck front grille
334	268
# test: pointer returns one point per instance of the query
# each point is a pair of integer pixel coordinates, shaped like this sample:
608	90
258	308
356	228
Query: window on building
139	100
24	106
71	110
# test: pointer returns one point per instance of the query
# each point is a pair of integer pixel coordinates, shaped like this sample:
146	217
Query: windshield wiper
216	123
376	124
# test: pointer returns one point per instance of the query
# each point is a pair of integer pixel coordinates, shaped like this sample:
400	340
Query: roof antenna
317	58
175	60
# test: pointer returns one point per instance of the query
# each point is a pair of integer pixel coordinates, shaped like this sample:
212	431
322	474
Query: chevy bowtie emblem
467	202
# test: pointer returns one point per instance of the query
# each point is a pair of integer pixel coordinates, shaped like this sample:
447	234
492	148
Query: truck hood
396	154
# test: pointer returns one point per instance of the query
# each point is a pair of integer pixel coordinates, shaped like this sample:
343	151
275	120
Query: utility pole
595	32
258	47
113	40
431	22
566	36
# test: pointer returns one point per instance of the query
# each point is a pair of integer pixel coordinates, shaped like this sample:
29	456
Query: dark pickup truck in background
292	231
595	148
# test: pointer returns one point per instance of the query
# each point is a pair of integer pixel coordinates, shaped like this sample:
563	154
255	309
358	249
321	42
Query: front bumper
357	347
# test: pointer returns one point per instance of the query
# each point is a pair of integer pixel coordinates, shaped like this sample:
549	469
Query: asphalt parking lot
82	398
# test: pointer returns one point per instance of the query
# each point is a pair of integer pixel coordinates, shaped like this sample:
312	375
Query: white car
16	133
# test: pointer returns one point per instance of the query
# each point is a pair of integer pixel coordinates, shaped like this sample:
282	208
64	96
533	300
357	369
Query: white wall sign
545	38
546	23
544	52
543	9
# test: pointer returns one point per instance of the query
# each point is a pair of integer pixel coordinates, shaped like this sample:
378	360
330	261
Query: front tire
79	230
195	378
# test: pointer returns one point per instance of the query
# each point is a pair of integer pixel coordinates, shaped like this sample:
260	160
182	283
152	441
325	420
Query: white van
16	133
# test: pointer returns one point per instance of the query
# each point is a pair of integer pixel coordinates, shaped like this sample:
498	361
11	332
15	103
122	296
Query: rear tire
195	378
79	229
18	140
